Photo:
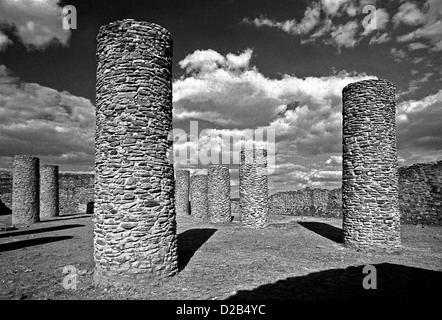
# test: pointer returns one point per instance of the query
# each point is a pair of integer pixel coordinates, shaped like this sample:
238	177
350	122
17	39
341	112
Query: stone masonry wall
182	185
76	191
135	240
307	202
5	192
49	196
25	190
370	199
219	193
420	193
198	196
253	188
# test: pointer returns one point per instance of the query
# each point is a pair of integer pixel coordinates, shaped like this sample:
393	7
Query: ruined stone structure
219	193
307	202
198	196
253	188
76	192
25	190
420	193
235	209
5	192
182	185
49	196
135	239
370	204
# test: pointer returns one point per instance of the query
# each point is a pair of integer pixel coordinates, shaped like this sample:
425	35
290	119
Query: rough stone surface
198	196
25	190
218	187
420	193
307	202
253	188
76	192
135	239
5	192
234	208
49	196
182	185
370	199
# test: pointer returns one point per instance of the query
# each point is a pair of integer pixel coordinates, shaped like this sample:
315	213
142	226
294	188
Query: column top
150	29
371	83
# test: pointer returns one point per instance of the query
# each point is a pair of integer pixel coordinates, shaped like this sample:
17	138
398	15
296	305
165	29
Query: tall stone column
25	190
198	196
135	239
49	196
182	185
219	193
371	217
253	188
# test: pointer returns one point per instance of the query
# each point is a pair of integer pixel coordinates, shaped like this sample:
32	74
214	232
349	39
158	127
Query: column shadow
393	282
30	242
189	242
33	231
325	230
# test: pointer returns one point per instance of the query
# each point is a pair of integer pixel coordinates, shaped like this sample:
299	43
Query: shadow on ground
393	282
189	242
68	217
325	230
30	242
33	231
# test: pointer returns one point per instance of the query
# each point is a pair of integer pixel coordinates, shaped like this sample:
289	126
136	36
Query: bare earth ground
294	258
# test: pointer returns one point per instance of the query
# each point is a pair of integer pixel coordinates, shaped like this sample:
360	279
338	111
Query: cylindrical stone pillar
198	196
182	185
218	186
49	203
370	206
135	239
25	190
253	188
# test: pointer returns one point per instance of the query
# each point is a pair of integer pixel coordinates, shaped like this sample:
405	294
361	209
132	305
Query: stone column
371	217
198	196
25	190
135	239
253	188
49	197
182	184
219	193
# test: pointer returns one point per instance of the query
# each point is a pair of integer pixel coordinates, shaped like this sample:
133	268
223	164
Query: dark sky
294	59
196	25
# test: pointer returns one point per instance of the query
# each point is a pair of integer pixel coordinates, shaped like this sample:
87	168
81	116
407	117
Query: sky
238	65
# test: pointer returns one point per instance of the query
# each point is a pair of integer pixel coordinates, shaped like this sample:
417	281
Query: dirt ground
294	258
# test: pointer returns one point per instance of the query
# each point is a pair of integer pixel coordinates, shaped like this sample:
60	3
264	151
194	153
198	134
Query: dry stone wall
219	193
25	190
307	202
5	192
49	195
76	192
182	185
253	188
370	201
135	239
199	196
420	193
